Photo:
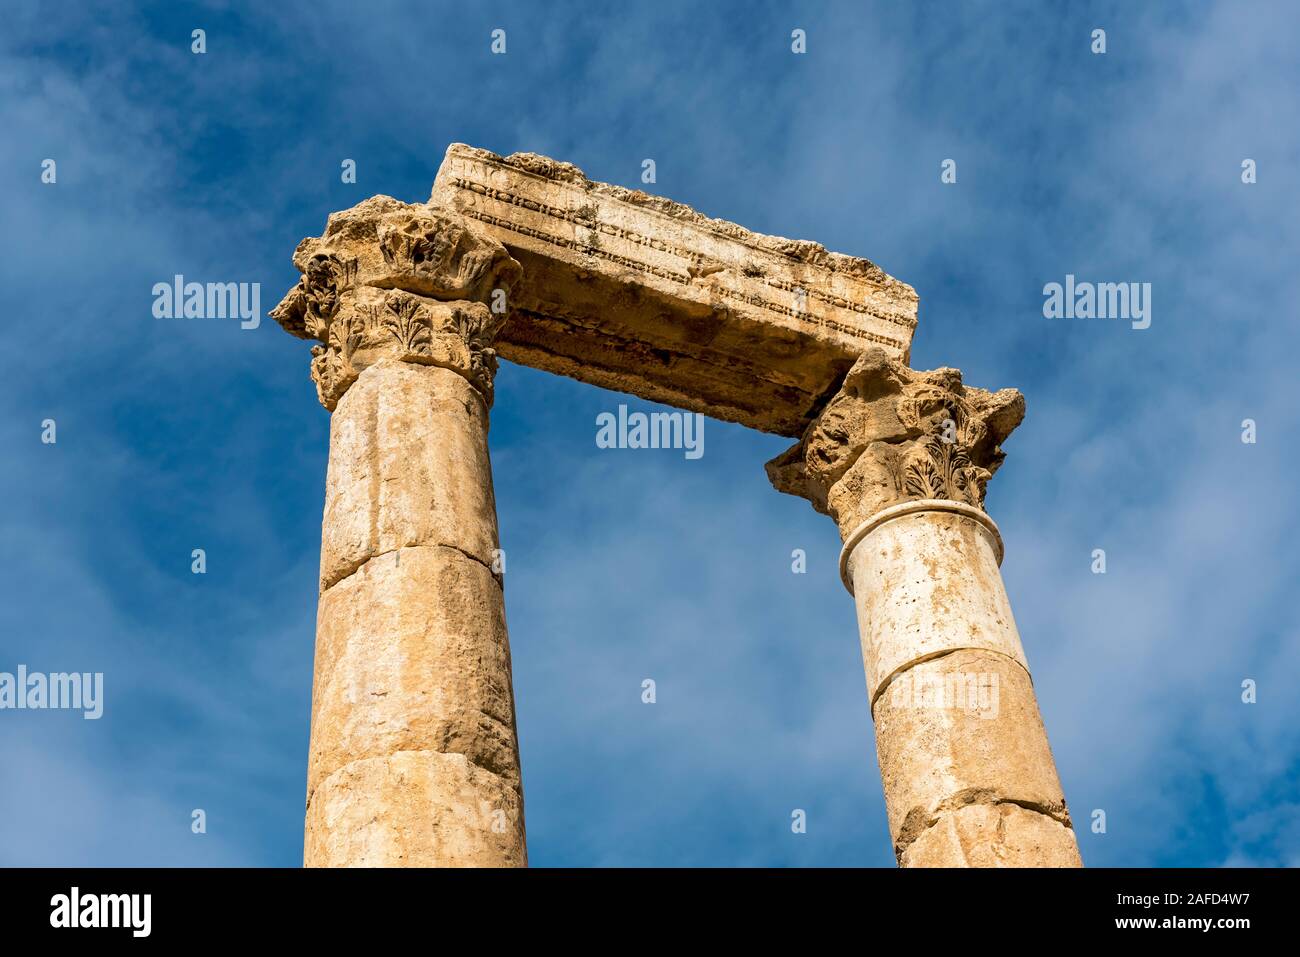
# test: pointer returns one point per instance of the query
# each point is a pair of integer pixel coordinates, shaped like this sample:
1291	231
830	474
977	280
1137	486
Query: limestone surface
993	835
641	294
990	747
926	582
414	809
414	754
408	466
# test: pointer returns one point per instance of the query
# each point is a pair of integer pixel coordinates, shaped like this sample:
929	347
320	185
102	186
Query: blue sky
631	564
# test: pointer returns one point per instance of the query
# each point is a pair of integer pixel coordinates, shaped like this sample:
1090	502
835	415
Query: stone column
900	460
414	756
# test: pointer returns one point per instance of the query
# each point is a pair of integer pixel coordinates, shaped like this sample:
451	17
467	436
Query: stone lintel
640	294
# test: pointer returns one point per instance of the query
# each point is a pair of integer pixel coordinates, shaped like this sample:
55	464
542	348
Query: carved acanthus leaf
331	365
892	434
939	469
409	326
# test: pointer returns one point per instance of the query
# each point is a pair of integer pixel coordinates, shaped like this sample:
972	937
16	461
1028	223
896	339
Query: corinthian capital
892	434
397	280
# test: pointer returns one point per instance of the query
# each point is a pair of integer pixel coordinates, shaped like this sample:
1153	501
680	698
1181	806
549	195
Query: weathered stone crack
476	761
918	821
354	567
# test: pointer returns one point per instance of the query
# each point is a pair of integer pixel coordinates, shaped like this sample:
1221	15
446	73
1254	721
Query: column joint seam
389	551
934	656
948	806
517	784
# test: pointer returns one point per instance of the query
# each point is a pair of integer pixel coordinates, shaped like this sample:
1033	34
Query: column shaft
414	755
968	775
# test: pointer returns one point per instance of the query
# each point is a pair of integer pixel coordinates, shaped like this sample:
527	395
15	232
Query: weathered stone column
900	460
414	756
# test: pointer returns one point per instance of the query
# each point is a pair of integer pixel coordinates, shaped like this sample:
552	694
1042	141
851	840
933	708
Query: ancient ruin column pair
414	755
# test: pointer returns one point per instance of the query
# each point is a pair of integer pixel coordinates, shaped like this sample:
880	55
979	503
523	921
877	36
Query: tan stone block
925	583
959	729
415	809
993	835
641	294
412	655
408	466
